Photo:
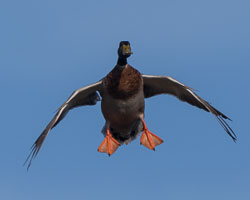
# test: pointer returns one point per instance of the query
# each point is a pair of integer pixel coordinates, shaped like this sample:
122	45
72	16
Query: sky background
49	48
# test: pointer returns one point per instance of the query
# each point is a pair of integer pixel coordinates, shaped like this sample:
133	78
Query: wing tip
35	148
34	151
234	137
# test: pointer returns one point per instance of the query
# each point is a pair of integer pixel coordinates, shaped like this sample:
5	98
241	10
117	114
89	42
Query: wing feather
83	96
155	85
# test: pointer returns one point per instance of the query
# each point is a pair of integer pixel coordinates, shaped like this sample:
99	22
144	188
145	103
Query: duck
122	93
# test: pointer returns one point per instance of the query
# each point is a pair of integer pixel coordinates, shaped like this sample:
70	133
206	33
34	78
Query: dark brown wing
83	96
155	85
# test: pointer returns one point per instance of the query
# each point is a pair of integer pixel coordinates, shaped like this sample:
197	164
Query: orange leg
109	144
149	139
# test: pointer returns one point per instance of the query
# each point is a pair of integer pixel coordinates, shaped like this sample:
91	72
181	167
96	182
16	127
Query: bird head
124	49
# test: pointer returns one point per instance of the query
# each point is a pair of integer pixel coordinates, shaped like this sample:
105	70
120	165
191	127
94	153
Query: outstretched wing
155	85
83	96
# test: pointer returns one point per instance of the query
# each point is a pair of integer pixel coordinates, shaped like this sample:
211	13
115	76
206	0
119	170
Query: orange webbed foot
149	139
109	144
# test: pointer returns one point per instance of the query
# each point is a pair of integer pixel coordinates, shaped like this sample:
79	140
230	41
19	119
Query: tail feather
125	135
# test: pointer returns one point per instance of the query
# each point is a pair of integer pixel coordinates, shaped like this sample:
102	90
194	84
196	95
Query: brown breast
123	82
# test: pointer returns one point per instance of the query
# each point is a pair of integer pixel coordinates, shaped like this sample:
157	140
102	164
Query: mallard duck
122	93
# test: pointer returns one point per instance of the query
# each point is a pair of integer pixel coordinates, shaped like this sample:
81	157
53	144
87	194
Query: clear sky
49	48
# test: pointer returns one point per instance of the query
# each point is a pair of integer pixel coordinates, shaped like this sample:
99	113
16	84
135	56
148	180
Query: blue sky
50	48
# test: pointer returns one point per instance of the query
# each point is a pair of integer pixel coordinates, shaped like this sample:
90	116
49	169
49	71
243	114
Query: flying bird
123	92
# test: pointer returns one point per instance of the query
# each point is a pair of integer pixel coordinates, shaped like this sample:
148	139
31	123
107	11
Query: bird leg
109	144
149	139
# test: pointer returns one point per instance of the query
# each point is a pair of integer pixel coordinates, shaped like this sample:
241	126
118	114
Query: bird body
123	92
123	102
